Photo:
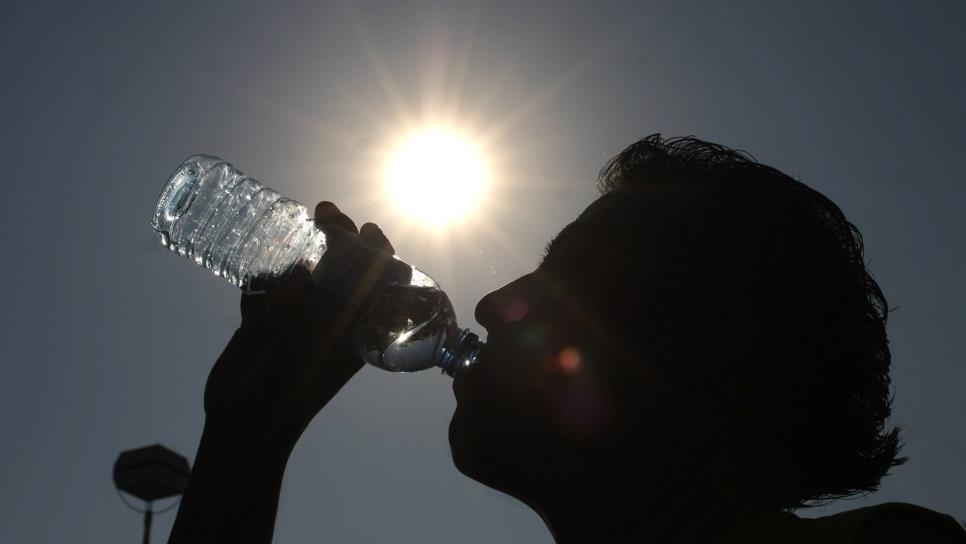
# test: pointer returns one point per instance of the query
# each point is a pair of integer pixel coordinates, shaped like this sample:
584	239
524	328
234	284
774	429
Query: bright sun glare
436	177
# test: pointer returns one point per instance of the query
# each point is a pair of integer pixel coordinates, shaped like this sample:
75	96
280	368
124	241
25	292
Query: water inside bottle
407	327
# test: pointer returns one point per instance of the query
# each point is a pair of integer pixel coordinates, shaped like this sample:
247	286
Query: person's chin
457	444
465	456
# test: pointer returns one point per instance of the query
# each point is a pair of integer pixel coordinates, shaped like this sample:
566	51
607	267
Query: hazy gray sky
107	339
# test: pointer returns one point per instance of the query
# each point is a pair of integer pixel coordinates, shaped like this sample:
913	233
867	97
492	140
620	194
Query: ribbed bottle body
232	225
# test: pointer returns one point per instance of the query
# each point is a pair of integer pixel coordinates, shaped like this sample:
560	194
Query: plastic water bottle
231	224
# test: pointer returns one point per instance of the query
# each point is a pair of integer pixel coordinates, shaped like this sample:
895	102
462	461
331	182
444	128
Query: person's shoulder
887	523
899	523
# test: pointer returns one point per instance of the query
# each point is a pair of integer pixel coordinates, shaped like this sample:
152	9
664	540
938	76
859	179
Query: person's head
706	328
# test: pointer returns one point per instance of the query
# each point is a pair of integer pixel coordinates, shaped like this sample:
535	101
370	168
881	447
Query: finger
291	316
326	213
373	235
288	291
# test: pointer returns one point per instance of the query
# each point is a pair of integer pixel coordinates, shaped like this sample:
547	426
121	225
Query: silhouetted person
700	352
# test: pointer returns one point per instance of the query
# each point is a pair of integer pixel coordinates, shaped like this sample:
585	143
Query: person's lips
460	377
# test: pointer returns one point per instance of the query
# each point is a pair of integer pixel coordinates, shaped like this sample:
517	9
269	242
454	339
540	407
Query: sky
107	338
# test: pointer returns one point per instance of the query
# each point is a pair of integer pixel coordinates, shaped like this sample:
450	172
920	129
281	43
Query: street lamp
150	473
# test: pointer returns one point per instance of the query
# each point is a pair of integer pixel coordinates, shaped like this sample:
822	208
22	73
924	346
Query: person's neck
607	516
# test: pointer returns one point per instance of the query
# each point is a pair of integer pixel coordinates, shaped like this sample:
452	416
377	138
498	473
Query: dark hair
823	347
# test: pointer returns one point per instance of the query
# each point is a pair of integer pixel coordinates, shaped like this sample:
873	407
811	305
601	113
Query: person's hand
290	356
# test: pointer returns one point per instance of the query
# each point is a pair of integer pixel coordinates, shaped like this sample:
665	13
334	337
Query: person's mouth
460	376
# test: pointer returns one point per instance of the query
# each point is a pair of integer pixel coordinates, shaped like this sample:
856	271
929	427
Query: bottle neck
461	353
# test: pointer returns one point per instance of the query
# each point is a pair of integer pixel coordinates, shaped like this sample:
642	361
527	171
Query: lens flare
569	359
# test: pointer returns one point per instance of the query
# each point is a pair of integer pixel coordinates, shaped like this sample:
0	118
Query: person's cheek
535	339
571	396
582	411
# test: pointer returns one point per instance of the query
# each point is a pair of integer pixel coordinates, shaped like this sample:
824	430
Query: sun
436	177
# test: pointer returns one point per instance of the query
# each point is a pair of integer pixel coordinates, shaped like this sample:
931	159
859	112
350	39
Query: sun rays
434	100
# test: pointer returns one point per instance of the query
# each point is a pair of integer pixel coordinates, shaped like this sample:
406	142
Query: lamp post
150	473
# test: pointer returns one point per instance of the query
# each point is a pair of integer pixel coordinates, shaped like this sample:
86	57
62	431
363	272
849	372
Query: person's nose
506	305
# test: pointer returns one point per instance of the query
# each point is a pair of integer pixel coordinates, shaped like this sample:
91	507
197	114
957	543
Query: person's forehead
620	217
599	224
602	209
635	205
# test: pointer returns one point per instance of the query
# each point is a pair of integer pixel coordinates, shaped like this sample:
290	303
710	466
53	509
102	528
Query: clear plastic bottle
231	224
